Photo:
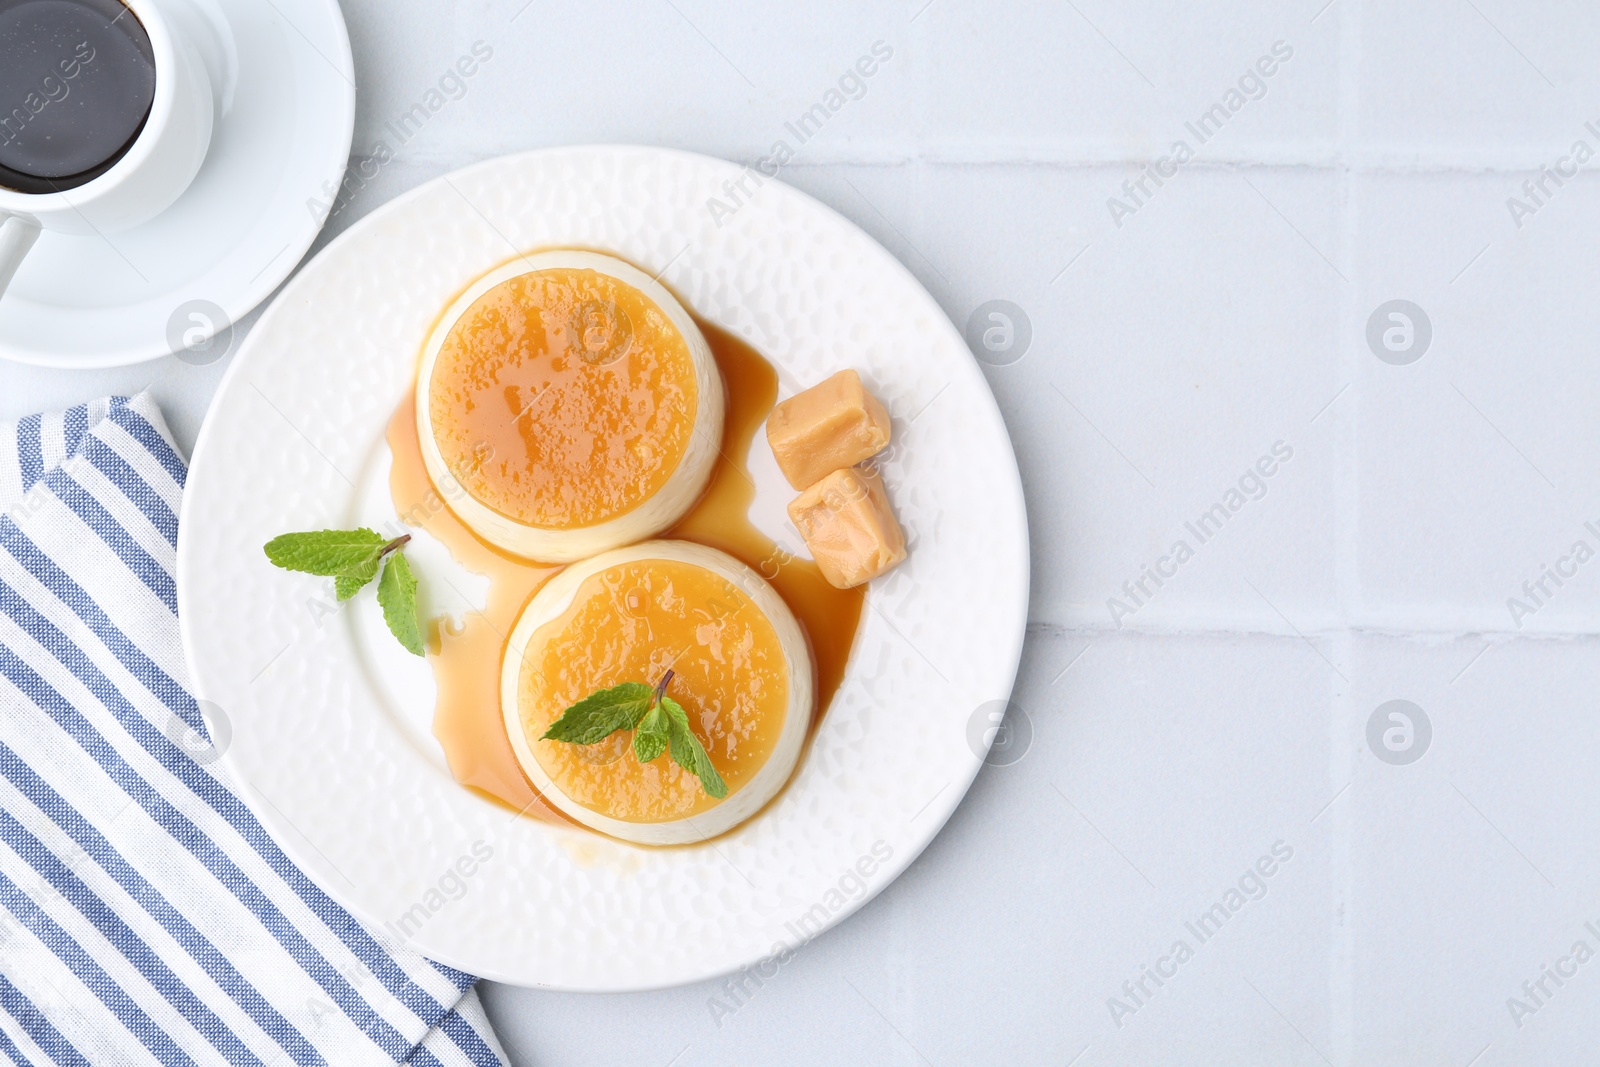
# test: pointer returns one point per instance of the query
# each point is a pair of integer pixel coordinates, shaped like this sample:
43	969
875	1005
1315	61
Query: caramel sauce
562	398
829	616
467	662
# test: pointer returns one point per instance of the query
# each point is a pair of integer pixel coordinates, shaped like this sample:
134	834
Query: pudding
567	404
739	664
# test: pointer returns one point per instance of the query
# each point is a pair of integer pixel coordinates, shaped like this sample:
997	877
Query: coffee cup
101	161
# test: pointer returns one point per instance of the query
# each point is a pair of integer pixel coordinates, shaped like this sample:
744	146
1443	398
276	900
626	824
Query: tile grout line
1113	157
1329	626
1346	430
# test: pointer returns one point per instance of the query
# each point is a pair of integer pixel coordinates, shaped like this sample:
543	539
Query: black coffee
76	81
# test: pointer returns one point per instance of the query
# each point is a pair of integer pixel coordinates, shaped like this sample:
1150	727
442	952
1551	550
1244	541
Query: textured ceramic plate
329	732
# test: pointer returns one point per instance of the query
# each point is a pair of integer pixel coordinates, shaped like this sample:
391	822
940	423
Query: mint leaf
687	752
397	595
601	714
650	736
353	581
329	553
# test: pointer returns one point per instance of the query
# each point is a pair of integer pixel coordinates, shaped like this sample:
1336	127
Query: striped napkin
145	916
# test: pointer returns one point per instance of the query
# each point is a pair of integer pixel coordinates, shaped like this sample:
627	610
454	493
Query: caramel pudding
467	655
573	402
741	669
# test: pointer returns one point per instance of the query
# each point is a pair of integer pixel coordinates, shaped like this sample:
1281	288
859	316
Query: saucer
285	115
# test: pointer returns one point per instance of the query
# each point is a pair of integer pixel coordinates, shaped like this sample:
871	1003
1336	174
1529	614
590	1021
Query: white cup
152	174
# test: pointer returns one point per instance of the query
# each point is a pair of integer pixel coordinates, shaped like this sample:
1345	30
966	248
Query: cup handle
17	234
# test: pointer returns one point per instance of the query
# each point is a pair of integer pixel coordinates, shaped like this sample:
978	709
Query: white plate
329	729
285	111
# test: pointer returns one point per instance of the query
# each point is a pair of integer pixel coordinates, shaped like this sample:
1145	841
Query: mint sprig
658	722
353	558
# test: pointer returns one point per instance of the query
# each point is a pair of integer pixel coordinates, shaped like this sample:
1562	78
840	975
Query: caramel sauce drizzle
467	661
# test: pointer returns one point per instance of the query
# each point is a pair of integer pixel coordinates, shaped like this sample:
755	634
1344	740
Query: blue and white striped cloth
145	916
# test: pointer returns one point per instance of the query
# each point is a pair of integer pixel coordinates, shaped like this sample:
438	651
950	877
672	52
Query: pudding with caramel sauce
493	754
739	666
574	404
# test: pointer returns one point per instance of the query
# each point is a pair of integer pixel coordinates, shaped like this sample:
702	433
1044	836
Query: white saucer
286	112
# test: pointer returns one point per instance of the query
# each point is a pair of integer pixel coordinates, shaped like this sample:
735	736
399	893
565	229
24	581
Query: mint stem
396	543
661	686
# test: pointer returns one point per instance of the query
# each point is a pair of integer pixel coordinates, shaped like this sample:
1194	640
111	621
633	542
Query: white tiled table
1226	314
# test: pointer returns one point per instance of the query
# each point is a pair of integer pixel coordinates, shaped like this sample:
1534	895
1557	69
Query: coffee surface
77	79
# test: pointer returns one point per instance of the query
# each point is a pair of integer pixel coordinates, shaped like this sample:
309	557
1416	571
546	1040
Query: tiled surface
1400	553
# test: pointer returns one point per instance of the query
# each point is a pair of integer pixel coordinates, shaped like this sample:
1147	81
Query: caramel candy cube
833	425
846	522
